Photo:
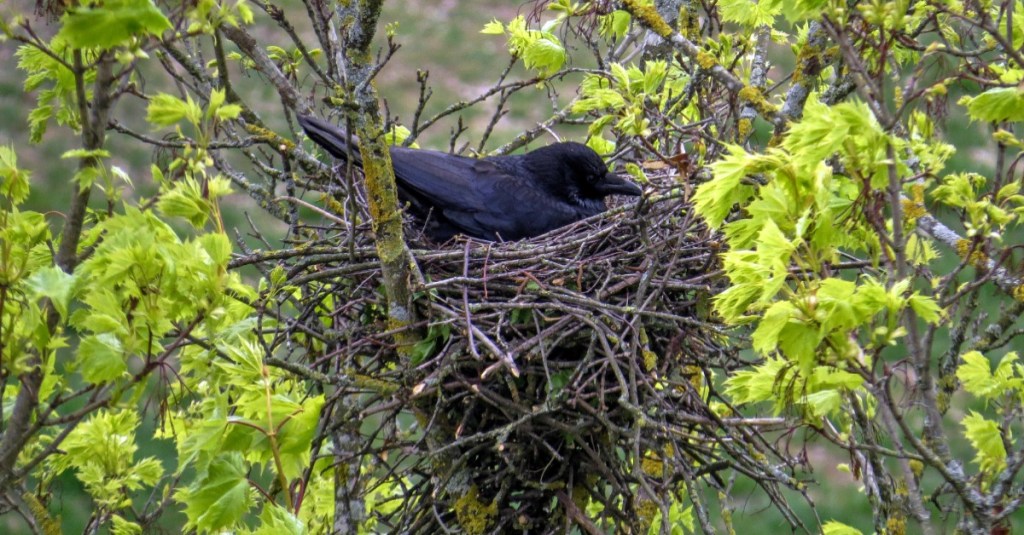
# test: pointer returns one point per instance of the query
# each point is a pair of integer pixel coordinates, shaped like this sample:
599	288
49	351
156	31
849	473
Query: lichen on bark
397	266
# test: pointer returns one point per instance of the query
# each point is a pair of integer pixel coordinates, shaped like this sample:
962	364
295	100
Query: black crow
493	198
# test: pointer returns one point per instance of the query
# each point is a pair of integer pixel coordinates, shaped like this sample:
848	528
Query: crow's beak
615	185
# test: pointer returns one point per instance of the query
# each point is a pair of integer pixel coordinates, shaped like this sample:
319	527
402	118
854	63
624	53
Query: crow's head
576	173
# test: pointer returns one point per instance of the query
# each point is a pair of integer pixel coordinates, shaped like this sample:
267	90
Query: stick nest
563	380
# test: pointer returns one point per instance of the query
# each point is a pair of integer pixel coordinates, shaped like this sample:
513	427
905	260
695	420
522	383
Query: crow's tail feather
331	138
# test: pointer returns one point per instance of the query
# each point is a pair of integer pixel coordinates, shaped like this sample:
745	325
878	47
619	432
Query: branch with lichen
1002	277
748	94
758	78
809	62
248	45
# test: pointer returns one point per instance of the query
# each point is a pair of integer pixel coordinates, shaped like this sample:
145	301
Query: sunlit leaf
112	23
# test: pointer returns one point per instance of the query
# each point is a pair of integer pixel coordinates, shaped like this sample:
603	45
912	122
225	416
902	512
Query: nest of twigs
562	380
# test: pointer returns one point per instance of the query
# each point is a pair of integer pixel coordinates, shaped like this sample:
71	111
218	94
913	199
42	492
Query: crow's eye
593	179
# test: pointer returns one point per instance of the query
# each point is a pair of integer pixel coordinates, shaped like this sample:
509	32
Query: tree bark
353	59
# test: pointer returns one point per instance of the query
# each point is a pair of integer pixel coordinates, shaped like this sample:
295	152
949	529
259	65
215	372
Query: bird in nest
497	198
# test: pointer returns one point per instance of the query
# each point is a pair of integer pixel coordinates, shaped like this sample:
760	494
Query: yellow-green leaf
493	28
987	441
996	105
112	23
838	528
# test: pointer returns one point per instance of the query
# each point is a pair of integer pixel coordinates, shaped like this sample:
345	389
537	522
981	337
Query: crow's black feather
493	198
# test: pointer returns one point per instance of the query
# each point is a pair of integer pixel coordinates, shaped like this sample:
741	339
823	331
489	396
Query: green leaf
101	450
545	55
798	342
987	441
296	436
421	350
217	187
714	199
165	110
654	74
680	520
748	280
149	471
204	438
773	247
1018	26
14	183
748	13
278	521
111	24
104	315
185	199
218	109
825	130
101	358
53	283
599	99
85	153
218	96
616	24
386	496
620	75
1008	191
123	526
871	296
245	13
557	382
828	377
921	250
926	308
978	379
218	500
797	10
397	134
766	337
822	403
37	119
996	105
1007	377
601	145
959	190
834	296
494	27
87	176
218	246
838	528
758	384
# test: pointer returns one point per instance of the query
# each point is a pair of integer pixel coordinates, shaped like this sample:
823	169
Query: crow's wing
479	198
